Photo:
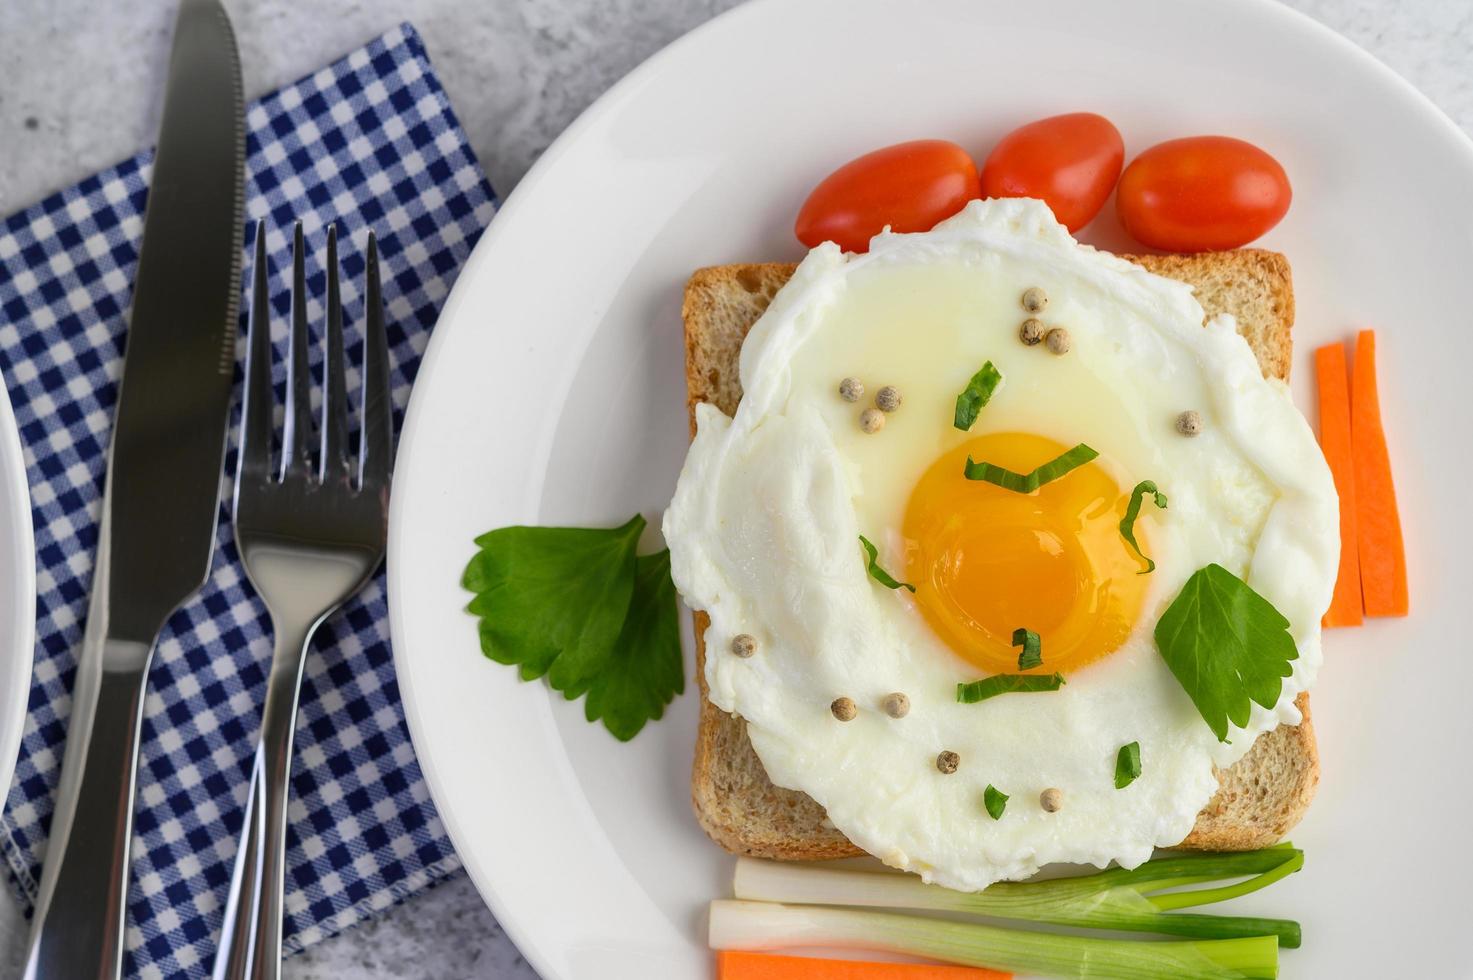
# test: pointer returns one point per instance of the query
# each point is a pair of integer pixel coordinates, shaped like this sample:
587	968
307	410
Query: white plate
553	393
17	591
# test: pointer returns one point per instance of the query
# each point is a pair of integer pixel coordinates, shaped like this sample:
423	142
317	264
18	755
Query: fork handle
250	940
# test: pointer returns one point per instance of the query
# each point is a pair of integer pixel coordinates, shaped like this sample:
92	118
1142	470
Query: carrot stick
1383	571
1332	380
732	965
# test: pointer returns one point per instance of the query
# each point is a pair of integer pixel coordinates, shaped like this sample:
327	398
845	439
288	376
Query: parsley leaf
646	669
1032	653
995	800
1029	482
576	605
552	599
991	687
1227	645
1127	765
1133	510
976	395
879	574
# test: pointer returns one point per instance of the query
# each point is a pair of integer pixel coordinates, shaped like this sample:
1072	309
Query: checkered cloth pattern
367	143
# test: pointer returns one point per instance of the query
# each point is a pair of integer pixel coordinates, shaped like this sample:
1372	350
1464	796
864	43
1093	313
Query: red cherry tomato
908	186
1201	194
1071	162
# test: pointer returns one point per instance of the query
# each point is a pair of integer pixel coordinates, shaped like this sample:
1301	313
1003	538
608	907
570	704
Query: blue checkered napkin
369	142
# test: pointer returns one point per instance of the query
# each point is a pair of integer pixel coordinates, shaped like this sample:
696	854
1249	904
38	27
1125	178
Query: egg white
764	528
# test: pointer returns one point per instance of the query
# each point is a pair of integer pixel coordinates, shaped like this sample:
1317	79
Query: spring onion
1117	899
764	925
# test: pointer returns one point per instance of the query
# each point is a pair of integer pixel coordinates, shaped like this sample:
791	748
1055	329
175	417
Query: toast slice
1258	800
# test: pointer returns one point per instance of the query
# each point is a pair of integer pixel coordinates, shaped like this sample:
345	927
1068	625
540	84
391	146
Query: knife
162	495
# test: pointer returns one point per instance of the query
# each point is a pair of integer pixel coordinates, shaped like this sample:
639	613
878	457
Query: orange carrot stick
1332	380
1383	570
732	965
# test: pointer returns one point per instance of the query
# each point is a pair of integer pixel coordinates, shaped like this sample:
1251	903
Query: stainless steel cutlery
161	500
310	532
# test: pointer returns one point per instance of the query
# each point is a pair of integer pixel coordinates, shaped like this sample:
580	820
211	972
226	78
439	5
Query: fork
310	537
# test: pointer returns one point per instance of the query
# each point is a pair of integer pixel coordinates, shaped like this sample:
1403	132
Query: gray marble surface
78	90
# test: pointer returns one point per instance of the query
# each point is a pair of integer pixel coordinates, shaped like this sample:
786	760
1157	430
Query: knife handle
250	937
77	932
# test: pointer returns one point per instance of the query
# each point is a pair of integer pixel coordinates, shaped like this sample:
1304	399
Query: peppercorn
844	709
896	705
1031	332
1035	300
871	420
1189	423
948	761
1057	340
887	399
851	389
1051	800
743	645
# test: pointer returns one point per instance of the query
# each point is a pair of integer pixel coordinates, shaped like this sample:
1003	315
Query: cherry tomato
1201	194
908	186
1071	162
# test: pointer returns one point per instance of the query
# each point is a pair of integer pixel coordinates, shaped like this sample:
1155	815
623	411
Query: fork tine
255	413
376	454
295	455
334	462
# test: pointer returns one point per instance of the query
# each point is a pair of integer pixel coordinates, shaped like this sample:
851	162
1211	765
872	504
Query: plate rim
23	593
516	927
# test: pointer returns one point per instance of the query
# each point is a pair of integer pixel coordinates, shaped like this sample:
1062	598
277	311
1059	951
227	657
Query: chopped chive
991	687
1133	510
976	395
879	574
1032	653
1029	482
995	800
1127	765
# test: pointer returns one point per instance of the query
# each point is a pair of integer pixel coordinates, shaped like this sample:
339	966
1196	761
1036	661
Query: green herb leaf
646	669
991	687
1029	482
1032	653
995	801
577	605
976	395
1127	765
552	600
1133	510
1227	645
879	574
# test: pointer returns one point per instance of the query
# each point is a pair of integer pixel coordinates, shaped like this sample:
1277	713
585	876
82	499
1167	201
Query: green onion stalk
1136	900
764	925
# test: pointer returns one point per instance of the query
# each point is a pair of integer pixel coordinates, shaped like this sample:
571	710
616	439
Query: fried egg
765	524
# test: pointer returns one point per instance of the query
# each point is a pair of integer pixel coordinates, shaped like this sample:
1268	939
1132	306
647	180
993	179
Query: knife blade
159	508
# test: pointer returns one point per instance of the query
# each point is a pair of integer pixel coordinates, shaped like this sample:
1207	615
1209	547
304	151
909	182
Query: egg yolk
989	561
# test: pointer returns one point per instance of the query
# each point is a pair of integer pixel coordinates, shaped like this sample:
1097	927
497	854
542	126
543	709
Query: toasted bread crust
1259	799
